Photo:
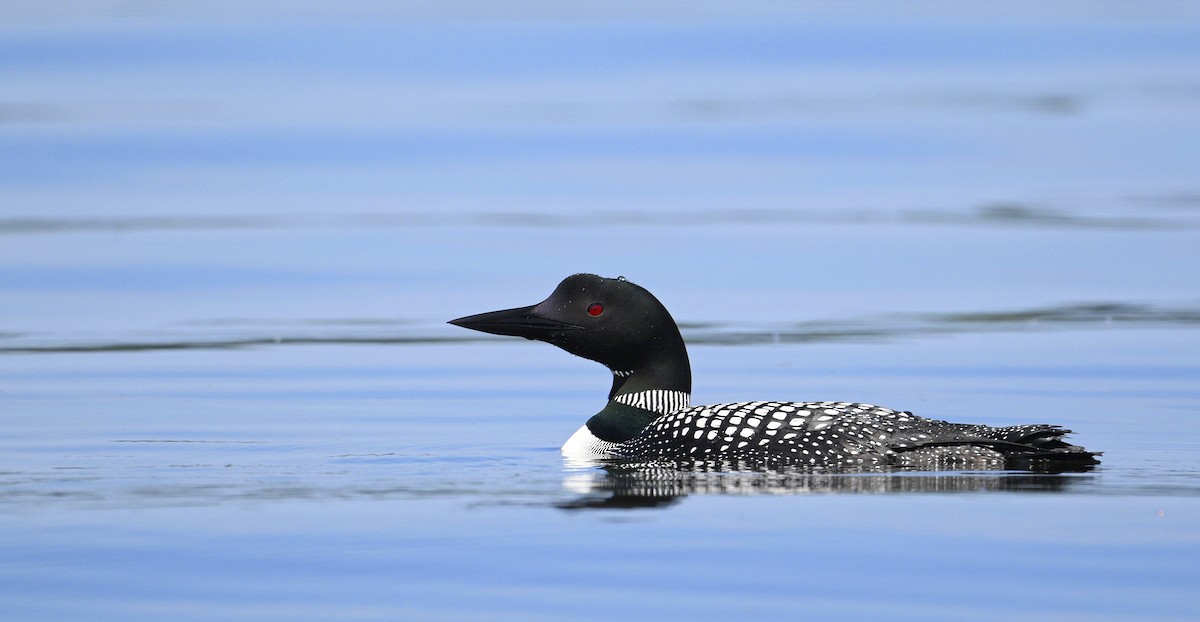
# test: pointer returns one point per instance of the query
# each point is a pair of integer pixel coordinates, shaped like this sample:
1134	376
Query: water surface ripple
233	333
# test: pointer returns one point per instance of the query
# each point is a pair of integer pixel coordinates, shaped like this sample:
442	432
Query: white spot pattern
827	434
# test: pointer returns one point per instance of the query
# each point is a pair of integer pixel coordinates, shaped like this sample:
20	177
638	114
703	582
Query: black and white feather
838	435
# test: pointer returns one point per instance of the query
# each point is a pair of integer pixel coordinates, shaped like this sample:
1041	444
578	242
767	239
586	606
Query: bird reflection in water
623	485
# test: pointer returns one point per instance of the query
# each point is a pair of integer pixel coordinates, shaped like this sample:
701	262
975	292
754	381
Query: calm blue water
230	237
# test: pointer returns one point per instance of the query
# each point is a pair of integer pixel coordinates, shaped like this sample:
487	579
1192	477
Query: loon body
649	419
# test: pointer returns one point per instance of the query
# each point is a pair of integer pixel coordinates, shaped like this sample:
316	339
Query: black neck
619	422
666	367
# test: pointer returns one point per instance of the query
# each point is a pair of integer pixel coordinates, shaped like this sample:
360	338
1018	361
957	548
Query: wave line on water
376	332
1004	213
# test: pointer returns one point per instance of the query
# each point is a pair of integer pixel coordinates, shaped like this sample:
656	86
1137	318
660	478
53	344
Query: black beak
521	322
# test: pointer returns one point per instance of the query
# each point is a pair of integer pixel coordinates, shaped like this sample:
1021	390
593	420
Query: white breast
583	446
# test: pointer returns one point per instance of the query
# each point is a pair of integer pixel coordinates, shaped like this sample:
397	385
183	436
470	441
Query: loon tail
1037	447
1046	450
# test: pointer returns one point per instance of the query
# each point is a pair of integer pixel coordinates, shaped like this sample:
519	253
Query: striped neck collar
661	401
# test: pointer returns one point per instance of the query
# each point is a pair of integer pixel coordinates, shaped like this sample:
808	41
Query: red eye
595	309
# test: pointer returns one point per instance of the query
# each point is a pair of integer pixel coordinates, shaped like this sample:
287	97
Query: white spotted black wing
844	435
782	433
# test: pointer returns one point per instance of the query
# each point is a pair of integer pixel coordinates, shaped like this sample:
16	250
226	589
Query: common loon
648	418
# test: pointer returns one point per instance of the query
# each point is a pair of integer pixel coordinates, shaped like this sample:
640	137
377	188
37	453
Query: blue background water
230	236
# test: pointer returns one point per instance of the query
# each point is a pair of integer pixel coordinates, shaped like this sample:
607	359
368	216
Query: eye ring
595	309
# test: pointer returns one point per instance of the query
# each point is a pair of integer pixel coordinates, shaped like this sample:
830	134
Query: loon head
611	321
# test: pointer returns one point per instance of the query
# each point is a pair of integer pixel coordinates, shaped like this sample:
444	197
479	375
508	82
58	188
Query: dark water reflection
492	480
618	488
